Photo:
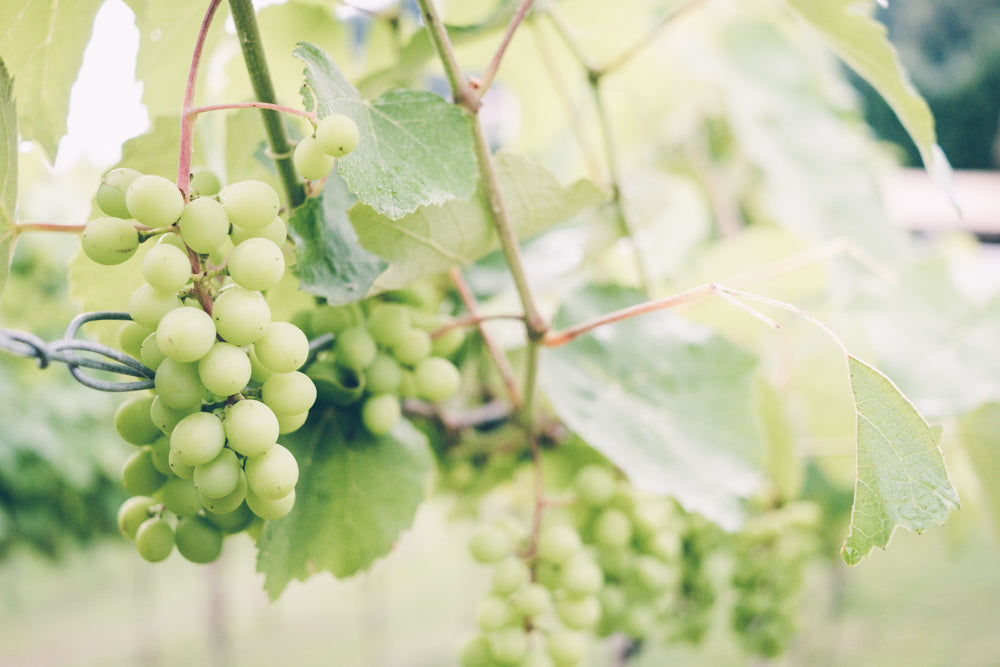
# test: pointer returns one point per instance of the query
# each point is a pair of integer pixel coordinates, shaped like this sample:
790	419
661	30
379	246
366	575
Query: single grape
448	342
581	613
639	621
258	371
225	370
180	497
130	338
109	241
581	575
651	573
475	652
154	540
241	315
337	135
493	612
275	231
270	509
166	418
166	267
133	422
250	204
172	238
197	439
220	476
334	319
220	255
310	160
204	225
613	529
231	522
186	334
283	348
355	348
111	192
389	322
204	183
147	305
132	513
159	451
509	575
289	393
229	502
558	543
181	470
380	413
154	201
198	539
256	264
436	379
273	474
594	485
291	423
508	646
567	648
490	543
139	476
666	544
150	353
412	347
251	427
532	600
536	657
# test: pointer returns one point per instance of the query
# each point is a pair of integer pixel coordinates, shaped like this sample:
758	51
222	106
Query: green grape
197	439
132	513
567	648
581	575
651	573
160	453
172	238
508	646
180	497
268	508
639	621
130	338
133	423
408	385
310	160
241	315
355	348
614	604
448	342
581	613
225	370
475	652
283	348
289	393
334	319
532	600
220	476
412	347
204	225
536	657
383	376
493	612
150	353
594	485
251	427
273	474
166	267
220	255
204	183
388	323
147	305
613	529
186	334
490	543
179	469
509	575
178	385
250	204
436	379
166	418
291	423
229	502
198	540
154	540
232	522
558	543
256	264
258	371
380	413
154	201
111	192
667	545
275	231
337	135
139	476
109	241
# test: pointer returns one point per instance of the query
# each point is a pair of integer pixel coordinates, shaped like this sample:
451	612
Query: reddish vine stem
309	115
21	227
484	83
469	320
187	119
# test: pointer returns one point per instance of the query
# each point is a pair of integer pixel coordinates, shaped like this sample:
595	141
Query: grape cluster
315	155
383	351
227	378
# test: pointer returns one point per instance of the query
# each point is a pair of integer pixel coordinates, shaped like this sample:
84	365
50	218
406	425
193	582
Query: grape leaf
415	149
902	480
436	238
861	42
8	172
667	401
328	260
356	493
42	42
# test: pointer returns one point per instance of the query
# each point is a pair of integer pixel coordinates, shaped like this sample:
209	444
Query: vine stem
187	119
471	319
309	115
490	73
21	227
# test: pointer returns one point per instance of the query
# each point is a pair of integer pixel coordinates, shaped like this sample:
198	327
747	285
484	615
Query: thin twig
309	115
637	46
484	82
187	120
22	227
470	320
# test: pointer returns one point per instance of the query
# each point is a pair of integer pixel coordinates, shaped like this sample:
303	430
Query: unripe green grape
251	427
380	413
172	238
150	353
154	540
509	575
197	439
250	204
614	603
130	338
581	613
273	474
389	322
289	393
334	319
220	476
154	201
111	192
448	342
594	485
493	612
651	573
558	543
231	522
229	502
139	476
147	305
258	371
256	264
186	334
132	513
337	135
291	423
204	183
567	648
268	508
275	231
383	376
180	497
225	370
159	451
581	575
255	529
310	160
198	540
615	562
412	347
166	267
241	315
613	529
204	225
355	348
133	423
436	379
283	348
666	544
408	385
179	469
536	657
490	543
475	652
166	418
532	600
220	255
109	241
639	621
508	646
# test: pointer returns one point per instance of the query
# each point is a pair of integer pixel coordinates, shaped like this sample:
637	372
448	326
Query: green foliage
8	172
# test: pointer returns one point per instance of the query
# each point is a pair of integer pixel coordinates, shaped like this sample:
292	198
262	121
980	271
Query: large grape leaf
436	238
8	172
861	42
356	493
980	435
667	401
902	480
415	149
329	262
42	42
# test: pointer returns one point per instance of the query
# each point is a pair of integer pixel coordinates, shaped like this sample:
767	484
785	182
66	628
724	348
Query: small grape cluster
315	155
383	351
227	379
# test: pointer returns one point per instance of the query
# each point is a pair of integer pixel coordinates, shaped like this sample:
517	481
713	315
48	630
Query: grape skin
251	427
197	439
186	334
289	393
310	160
283	348
204	225
220	476
250	204
268	508
147	306
109	241
198	540
111	192
337	135
256	264
225	369
154	540
241	316
154	201
273	474
166	267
